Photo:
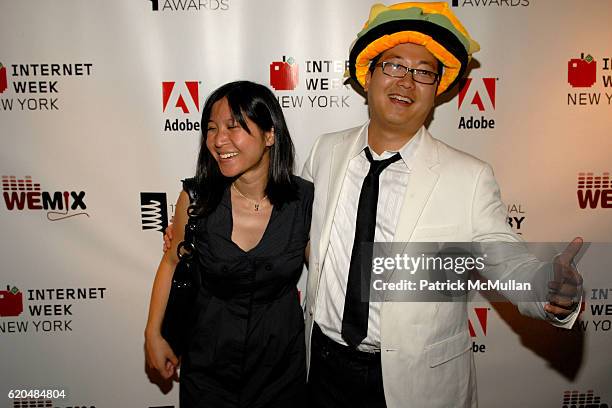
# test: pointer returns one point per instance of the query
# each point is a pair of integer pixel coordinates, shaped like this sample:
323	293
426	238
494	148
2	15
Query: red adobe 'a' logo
11	302
481	315
284	74
475	89
3	81
176	95
582	72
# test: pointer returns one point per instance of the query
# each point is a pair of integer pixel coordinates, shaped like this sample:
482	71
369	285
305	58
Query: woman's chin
229	172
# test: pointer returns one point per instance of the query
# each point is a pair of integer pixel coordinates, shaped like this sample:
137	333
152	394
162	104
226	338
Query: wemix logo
477	94
594	191
11	302
284	75
154	211
32	402
22	194
575	399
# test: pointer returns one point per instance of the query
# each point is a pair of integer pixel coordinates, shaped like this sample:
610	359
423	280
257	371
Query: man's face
401	103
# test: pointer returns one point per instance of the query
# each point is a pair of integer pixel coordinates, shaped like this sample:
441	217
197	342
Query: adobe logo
183	95
582	72
3	81
11	302
475	90
284	74
481	317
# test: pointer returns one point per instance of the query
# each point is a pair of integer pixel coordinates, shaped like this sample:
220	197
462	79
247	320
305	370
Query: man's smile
404	100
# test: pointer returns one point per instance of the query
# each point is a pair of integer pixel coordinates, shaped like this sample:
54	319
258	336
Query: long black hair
260	105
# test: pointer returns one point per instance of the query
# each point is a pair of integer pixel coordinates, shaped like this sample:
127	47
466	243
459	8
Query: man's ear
269	135
440	73
367	80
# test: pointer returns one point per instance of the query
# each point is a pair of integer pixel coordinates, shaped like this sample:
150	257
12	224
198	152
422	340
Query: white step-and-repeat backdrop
99	115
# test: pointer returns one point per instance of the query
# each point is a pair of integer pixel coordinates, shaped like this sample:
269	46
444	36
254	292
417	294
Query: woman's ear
269	135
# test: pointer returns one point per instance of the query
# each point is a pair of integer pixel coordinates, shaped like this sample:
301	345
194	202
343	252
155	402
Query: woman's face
235	150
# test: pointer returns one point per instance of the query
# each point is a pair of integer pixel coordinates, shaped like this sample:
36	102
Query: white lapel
422	181
342	153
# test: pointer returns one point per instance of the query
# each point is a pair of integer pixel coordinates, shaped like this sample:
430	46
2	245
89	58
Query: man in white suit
401	354
389	180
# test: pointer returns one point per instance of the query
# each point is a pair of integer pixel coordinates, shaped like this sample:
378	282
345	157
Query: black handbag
180	309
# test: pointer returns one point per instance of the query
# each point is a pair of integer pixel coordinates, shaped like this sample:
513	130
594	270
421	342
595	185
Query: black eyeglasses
396	70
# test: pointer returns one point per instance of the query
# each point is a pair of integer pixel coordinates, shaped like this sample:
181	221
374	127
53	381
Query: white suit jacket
452	197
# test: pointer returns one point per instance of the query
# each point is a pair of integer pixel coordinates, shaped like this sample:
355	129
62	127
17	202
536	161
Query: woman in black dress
247	348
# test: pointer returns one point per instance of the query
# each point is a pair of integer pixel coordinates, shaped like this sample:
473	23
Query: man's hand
563	291
168	236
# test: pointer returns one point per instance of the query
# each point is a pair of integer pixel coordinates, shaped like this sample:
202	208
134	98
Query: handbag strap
188	243
190	186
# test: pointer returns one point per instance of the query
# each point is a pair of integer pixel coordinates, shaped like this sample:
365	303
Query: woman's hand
160	356
168	237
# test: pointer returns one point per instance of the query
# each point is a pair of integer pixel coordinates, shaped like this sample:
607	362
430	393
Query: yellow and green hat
432	25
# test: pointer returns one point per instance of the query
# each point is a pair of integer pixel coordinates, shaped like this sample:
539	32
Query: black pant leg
338	380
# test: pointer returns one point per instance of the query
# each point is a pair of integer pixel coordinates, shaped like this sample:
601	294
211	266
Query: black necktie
355	317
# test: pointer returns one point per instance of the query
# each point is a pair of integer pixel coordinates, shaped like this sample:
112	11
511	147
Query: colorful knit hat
432	25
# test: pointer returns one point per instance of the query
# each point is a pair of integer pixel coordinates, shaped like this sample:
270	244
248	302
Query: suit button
225	269
268	266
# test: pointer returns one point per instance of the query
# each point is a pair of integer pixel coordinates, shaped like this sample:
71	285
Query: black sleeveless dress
247	348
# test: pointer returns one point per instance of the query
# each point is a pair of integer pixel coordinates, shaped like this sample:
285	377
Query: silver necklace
255	203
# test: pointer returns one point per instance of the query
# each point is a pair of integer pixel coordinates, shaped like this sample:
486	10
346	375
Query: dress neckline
227	201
